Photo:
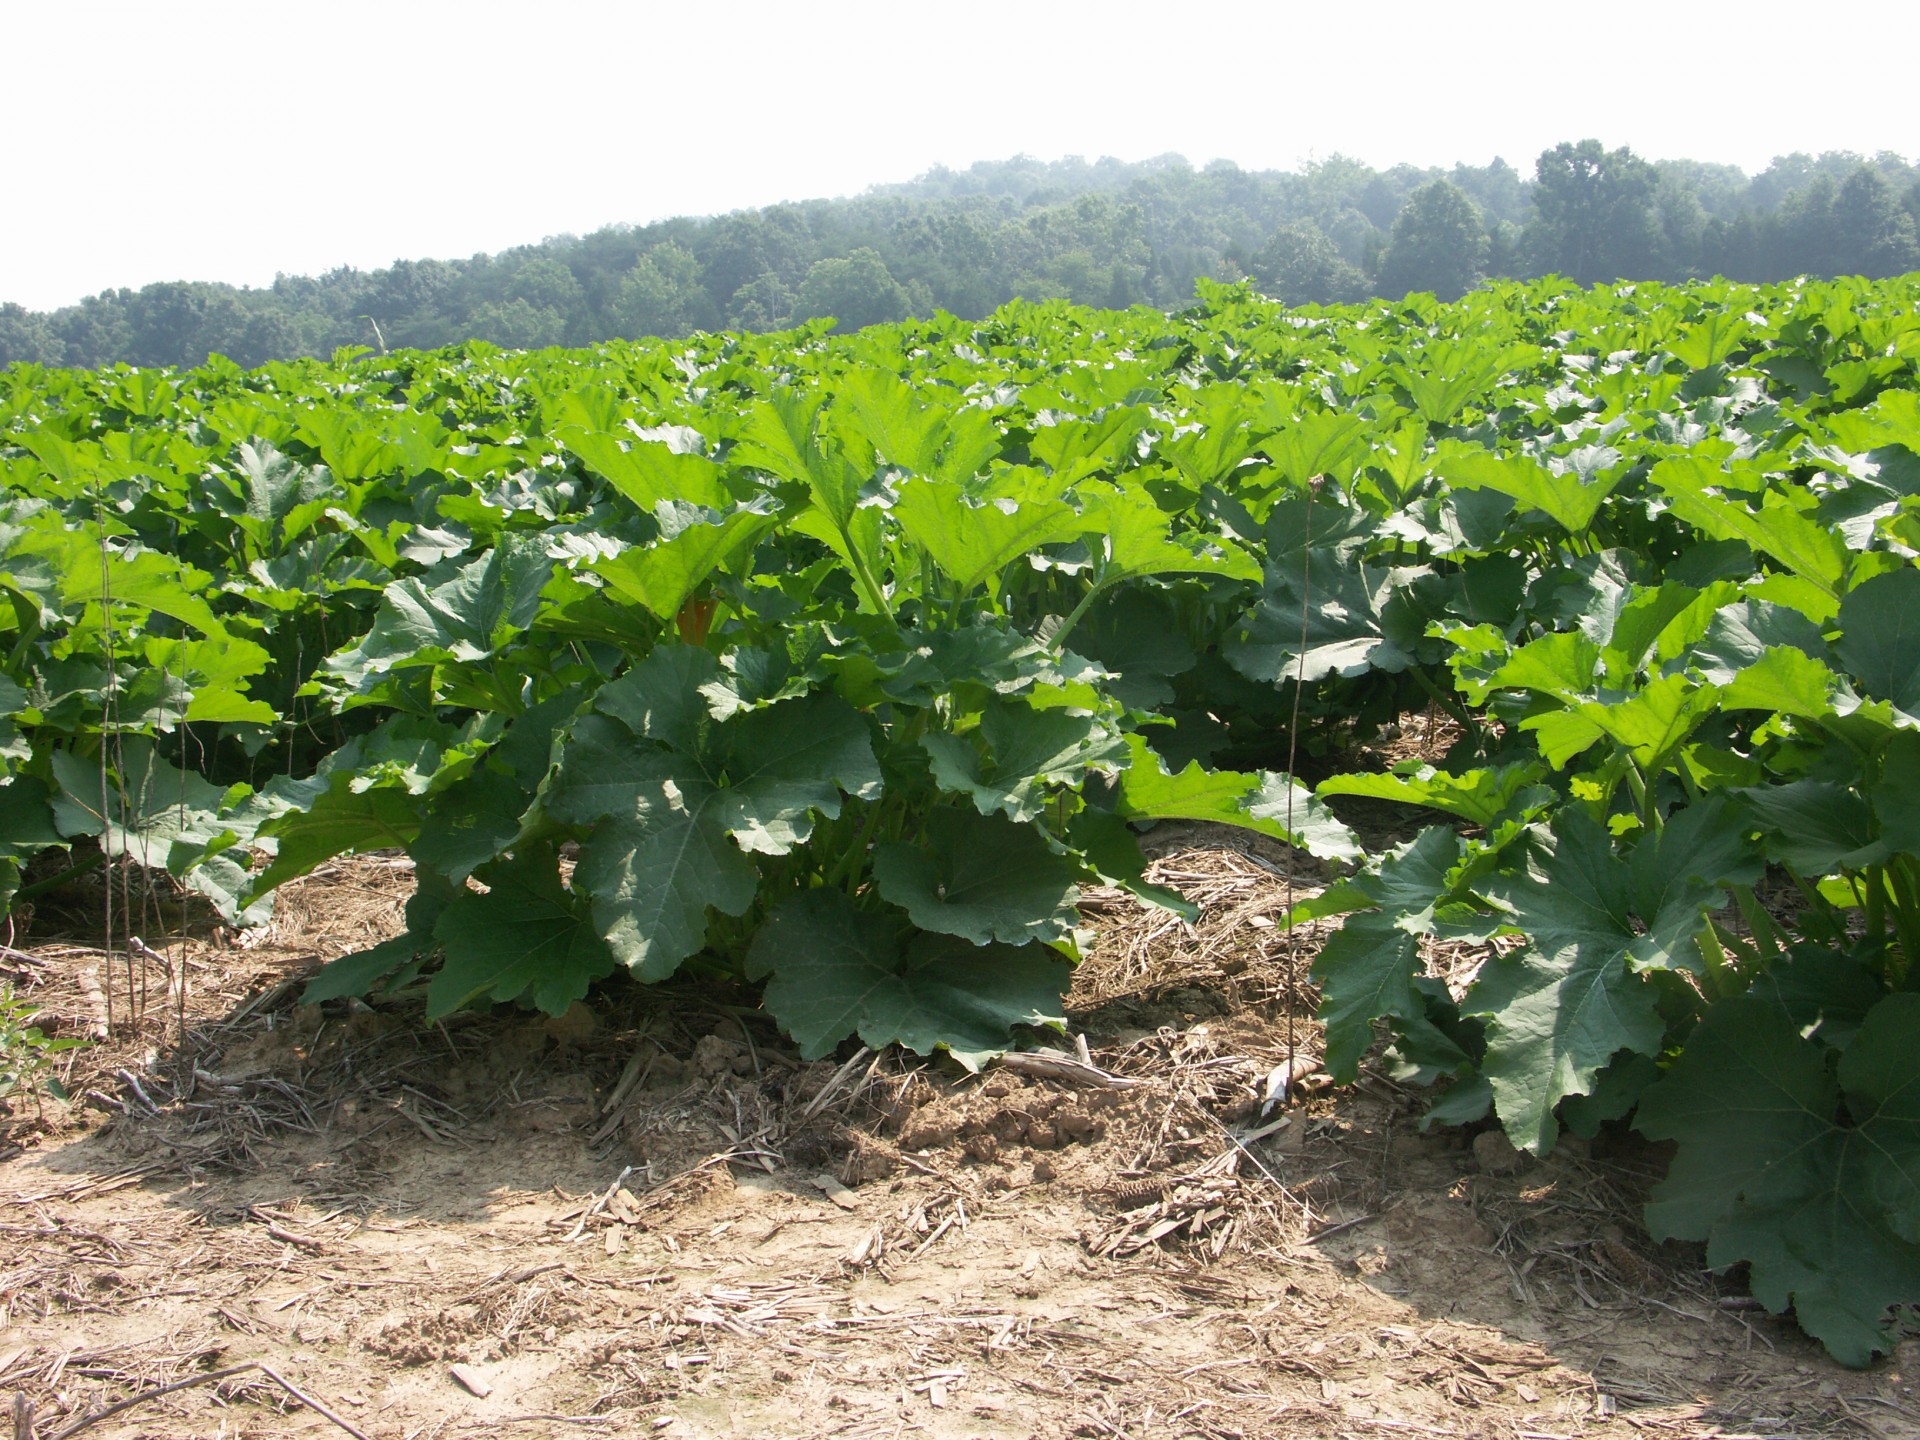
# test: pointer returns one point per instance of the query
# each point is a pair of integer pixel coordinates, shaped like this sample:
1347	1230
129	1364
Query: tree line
1103	233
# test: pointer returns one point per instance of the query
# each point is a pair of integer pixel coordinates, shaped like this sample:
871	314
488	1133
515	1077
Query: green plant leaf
982	878
1880	639
1109	846
647	471
339	820
1367	967
777	434
1449	373
1712	341
1784	680
26	818
1815	827
1677	878
837	971
361	443
1321	442
660	855
1103	439
1656	721
361	972
471	823
1825	992
149	803
661	698
527	936
1564	664
273	496
1558	1011
676	797
693	543
1616	1091
1742	633
789	760
1480	797
1136	538
1826	1213
162	817
882	420
1135	634
1257	802
1893	793
81	572
1809	549
1342	601
973	533
1564	496
1659	624
1208	448
1017	756
486	603
1562	734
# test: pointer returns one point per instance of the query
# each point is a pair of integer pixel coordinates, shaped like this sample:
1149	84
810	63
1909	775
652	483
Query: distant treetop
1100	232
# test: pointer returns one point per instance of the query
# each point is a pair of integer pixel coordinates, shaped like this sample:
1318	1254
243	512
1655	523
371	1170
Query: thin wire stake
178	980
126	881
107	718
1293	750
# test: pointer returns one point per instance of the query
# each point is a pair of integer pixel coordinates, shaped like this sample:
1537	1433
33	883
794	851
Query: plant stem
1721	953
1875	883
54	882
1766	935
29	617
851	864
868	585
1448	703
1077	613
1903	875
1642	795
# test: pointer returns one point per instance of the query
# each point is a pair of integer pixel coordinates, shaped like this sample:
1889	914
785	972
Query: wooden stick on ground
1058	1065
211	1377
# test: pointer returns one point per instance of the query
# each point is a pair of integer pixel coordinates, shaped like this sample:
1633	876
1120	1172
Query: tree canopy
1439	243
1103	233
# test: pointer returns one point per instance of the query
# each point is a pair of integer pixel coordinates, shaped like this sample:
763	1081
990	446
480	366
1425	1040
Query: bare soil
653	1218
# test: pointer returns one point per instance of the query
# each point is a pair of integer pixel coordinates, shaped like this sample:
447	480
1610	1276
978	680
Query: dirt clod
1496	1155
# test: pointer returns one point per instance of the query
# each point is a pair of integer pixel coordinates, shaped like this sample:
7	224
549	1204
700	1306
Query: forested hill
1103	233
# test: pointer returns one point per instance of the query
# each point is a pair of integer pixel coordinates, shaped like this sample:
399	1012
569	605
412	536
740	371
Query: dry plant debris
655	1219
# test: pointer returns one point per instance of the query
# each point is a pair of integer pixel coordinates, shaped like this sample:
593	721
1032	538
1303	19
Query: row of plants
843	664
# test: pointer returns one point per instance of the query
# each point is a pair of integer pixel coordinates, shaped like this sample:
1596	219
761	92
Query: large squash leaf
1823	1203
837	971
1560	1009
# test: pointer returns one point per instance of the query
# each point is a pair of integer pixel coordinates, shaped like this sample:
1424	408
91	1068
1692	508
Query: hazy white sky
218	141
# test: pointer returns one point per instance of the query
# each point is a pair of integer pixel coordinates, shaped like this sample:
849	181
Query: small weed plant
26	1051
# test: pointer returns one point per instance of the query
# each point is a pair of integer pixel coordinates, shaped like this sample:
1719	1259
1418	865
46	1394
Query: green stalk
1904	873
54	882
1723	953
852	862
1077	613
861	573
1447	702
1766	935
29	616
1686	784
1875	881
1637	783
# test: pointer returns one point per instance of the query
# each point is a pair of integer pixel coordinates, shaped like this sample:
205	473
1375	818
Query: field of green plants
844	663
